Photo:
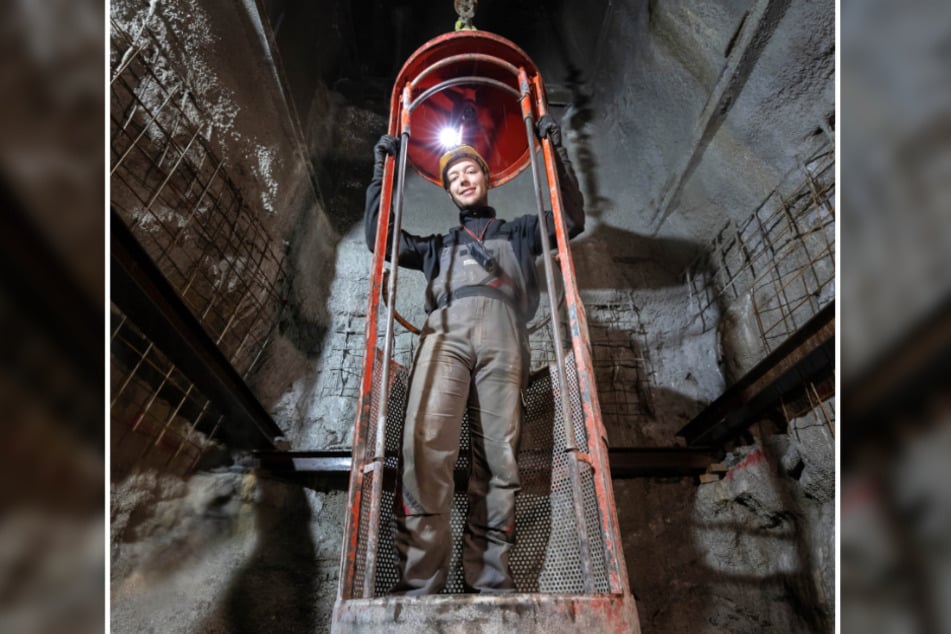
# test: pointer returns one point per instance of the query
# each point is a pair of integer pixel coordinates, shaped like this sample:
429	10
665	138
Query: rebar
786	255
159	416
177	197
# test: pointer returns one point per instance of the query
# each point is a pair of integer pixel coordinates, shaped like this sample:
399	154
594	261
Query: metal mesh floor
546	556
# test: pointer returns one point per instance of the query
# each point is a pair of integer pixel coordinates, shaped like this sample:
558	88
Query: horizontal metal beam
141	291
319	462
808	355
42	300
900	384
626	462
646	462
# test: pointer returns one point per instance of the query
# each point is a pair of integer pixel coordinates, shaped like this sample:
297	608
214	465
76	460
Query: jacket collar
471	213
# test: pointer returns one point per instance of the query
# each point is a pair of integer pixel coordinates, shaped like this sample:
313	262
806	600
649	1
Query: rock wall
224	551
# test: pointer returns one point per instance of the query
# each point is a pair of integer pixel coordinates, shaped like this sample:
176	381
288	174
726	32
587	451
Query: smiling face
467	184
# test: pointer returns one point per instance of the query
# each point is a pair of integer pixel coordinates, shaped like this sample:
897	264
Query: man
473	353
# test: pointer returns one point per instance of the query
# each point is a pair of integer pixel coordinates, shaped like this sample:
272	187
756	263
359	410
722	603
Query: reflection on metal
176	199
493	128
491	94
781	259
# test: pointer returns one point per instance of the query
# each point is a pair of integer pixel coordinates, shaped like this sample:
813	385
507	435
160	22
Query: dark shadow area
347	181
662	515
894	494
800	589
575	119
304	330
48	319
277	587
674	407
51	384
670	256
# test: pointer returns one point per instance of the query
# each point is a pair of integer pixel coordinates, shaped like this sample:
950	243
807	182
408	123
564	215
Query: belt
475	291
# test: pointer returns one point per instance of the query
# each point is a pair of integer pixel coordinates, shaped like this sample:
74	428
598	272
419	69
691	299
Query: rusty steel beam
808	355
140	290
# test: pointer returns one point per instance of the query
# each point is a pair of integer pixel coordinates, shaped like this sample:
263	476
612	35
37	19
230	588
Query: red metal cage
572	571
464	82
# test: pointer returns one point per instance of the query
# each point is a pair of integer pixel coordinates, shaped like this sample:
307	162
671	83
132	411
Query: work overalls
473	354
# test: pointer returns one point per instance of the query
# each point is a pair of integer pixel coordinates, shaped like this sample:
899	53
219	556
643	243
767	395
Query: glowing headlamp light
450	137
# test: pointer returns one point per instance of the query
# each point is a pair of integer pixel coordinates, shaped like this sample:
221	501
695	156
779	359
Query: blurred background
52	281
895	160
895	333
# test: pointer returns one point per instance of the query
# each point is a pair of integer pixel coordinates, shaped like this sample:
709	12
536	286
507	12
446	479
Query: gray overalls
473	353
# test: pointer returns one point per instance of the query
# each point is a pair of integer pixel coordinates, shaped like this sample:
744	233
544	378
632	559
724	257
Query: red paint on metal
604	491
859	494
554	613
494	127
361	425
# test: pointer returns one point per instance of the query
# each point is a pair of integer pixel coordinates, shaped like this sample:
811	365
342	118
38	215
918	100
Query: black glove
547	127
386	145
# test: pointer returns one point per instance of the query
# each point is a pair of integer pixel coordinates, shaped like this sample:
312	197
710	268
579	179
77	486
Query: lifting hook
465	9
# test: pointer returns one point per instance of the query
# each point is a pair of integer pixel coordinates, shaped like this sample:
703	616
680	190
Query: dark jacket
423	252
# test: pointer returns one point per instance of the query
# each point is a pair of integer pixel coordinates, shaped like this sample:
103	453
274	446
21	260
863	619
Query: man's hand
547	127
386	145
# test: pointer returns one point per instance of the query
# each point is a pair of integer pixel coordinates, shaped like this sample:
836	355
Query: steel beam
140	290
900	384
40	296
745	48
626	462
808	355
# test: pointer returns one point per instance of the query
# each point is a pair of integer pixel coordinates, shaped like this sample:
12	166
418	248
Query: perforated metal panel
546	556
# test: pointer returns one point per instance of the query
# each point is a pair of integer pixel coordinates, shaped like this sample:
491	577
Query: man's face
467	183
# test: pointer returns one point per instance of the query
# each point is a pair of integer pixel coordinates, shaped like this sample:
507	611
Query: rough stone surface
223	552
756	549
